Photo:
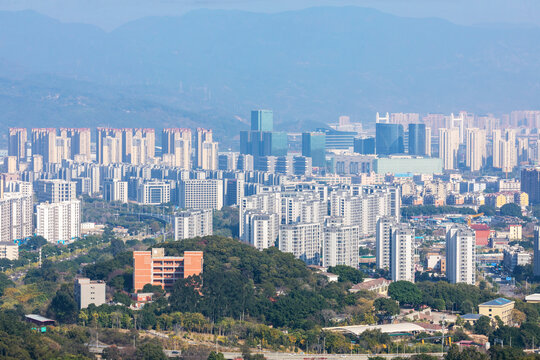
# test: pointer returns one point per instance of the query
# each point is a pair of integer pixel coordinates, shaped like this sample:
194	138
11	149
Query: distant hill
211	66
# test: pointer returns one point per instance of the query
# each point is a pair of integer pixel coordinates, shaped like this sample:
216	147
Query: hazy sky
111	13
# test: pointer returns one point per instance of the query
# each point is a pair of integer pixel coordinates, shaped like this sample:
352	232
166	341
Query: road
299	356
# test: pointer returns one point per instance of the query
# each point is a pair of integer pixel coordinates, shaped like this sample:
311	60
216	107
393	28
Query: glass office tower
417	139
245	143
314	146
364	146
389	139
263	143
262	120
275	143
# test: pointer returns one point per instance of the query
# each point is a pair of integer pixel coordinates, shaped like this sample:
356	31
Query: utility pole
442	337
39	264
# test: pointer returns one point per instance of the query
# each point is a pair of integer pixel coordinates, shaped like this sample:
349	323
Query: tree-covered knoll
270	268
239	281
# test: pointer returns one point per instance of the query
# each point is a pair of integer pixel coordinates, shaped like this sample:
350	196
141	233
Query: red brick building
153	267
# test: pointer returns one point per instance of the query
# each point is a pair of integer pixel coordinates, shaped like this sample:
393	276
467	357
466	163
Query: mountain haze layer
210	67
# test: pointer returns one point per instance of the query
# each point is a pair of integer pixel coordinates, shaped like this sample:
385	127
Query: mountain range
210	67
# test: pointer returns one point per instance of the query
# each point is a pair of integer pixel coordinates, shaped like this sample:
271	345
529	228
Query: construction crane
470	217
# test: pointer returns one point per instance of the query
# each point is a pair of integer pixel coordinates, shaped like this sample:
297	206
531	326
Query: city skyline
270	180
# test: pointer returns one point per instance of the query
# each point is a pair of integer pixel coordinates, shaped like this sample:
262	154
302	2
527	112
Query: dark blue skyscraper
245	142
314	146
263	143
364	146
275	143
417	139
389	139
262	120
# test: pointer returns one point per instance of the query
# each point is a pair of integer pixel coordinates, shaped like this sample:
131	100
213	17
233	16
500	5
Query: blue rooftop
471	316
497	302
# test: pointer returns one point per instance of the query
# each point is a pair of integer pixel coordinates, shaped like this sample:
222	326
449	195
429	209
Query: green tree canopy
511	209
216	356
483	326
386	307
347	273
63	306
150	351
487	210
405	292
468	353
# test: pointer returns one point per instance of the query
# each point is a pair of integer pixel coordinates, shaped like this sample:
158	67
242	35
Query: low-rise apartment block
153	267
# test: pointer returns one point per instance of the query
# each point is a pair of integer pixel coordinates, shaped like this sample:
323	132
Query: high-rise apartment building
448	147
80	139
138	153
314	146
508	151
177	142
111	150
402	266
496	148
504	150
209	156
109	145
383	239
428	141
460	255
340	244
149	135
475	149
302	207
115	190
263	203
260	229
17	138
126	144
394	249
16	215
458	122
11	164
303	240
153	267
366	208
170	135
262	120
193	223
200	194
55	190
44	144
536	251
63	147
138	145
202	137
233	191
530	184
59	221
